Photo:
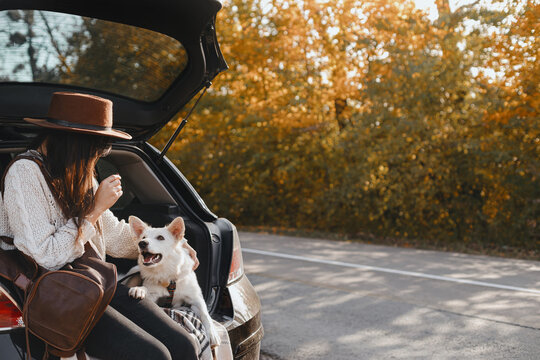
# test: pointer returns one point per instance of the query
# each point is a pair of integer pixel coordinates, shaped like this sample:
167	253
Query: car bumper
245	327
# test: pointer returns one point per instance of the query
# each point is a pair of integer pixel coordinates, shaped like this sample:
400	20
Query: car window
57	48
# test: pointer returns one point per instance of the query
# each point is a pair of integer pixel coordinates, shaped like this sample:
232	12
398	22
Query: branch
55	44
467	6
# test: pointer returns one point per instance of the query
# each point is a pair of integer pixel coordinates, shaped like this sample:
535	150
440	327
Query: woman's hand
192	255
108	192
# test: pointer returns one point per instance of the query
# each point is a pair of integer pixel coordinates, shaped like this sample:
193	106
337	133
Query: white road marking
392	271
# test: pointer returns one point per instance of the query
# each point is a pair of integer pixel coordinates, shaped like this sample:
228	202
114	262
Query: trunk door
149	57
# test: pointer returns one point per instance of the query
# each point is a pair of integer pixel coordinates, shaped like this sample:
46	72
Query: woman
52	225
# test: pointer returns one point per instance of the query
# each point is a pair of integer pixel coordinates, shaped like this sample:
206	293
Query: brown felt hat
80	113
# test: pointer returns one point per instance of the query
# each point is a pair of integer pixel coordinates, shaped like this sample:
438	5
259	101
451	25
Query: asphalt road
336	300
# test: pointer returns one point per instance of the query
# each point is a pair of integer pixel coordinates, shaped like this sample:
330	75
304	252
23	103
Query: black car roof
189	21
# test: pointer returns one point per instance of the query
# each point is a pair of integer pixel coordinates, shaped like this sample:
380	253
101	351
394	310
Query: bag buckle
22	281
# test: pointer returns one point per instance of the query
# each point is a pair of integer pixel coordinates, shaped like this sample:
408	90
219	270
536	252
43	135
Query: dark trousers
138	329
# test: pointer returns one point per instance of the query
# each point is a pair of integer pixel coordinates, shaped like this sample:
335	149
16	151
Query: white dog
162	260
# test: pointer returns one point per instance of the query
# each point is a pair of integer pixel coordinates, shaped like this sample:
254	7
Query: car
151	58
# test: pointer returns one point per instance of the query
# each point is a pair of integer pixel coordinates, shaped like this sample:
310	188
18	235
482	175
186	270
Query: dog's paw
137	292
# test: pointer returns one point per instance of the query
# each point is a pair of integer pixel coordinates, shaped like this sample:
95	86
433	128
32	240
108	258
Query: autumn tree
362	117
28	47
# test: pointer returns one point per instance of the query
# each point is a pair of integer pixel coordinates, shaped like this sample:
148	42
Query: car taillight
237	263
10	315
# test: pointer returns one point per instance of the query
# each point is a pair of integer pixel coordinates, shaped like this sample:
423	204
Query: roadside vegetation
364	120
369	117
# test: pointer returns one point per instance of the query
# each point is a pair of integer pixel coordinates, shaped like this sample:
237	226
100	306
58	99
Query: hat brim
109	132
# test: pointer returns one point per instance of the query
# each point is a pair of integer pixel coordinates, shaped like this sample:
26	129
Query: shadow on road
314	311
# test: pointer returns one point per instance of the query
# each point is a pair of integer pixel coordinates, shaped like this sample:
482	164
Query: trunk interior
146	197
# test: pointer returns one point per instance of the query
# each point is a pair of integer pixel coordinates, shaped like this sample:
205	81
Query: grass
472	248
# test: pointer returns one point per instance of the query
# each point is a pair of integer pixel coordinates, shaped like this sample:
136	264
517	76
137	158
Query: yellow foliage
369	117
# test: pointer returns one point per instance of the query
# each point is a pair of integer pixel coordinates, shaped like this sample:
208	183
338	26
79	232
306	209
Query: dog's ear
177	228
137	225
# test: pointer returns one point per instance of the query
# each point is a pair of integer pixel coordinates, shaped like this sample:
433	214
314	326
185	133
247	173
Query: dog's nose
143	244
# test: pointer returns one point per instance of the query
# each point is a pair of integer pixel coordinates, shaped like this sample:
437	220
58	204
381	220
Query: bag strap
20	279
80	354
36	157
7	240
30	155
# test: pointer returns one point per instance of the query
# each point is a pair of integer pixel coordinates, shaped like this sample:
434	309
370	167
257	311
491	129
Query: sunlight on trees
374	117
348	116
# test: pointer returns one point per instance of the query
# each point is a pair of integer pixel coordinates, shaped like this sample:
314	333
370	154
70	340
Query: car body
150	58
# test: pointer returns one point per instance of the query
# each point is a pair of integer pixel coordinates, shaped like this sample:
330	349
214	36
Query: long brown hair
71	159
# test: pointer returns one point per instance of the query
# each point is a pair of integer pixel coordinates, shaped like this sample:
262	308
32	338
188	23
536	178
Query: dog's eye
160	237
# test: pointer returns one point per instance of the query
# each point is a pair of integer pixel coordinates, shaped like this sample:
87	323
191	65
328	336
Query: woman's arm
120	242
31	212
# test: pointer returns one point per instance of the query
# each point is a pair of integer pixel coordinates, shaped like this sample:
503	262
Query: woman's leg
115	337
151	318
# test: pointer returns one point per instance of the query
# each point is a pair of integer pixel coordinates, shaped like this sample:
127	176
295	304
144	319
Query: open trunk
148	198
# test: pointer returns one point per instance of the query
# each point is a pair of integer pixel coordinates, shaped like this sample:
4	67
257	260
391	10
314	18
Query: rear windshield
49	47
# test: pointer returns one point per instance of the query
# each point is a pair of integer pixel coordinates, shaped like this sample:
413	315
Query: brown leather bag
60	307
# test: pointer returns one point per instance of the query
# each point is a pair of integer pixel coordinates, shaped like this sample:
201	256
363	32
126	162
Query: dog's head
156	243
